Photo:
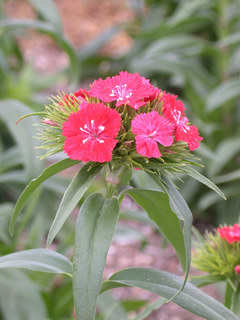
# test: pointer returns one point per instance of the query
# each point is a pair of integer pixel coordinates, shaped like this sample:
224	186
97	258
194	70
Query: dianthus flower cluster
219	253
121	119
231	234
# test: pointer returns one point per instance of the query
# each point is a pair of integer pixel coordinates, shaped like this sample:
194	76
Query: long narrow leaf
35	183
198	176
150	308
48	10
20	297
38	260
167	285
10	112
181	209
156	204
72	196
49	30
94	231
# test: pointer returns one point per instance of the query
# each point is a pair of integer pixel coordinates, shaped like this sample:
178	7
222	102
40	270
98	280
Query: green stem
115	178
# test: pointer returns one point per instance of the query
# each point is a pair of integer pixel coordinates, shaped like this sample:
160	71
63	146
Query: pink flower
151	128
187	133
125	88
231	234
90	133
237	270
173	110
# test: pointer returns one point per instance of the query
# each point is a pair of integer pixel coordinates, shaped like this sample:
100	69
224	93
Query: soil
83	21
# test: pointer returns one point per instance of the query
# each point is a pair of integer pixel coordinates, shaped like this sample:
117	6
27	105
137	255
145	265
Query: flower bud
237	270
49	122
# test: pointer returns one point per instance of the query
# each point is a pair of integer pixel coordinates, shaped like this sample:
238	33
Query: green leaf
157	206
72	196
228	177
94	231
224	152
167	285
48	11
93	46
181	209
46	28
201	281
10	112
223	93
20	297
150	308
110	309
38	260
235	307
35	183
198	176
5	214
12	157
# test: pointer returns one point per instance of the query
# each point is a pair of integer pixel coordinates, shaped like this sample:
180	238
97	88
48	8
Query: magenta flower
125	88
187	133
173	110
150	129
90	133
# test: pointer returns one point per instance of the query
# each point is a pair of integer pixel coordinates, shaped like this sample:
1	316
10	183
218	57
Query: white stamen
85	140
101	128
153	133
92	121
85	126
100	141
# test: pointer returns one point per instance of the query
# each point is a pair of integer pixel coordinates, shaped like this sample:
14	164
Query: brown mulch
83	21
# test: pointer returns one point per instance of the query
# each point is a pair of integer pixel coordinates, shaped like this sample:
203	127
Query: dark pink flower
125	88
231	234
151	129
80	95
173	110
90	133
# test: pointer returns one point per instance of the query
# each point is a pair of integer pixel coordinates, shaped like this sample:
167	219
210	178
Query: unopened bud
74	314
237	270
50	122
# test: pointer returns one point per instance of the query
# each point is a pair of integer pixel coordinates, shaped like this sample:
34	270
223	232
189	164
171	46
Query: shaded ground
82	21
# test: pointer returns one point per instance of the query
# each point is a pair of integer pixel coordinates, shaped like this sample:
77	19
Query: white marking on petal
153	133
85	140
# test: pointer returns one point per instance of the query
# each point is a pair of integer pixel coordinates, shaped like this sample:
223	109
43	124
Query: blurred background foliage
189	48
